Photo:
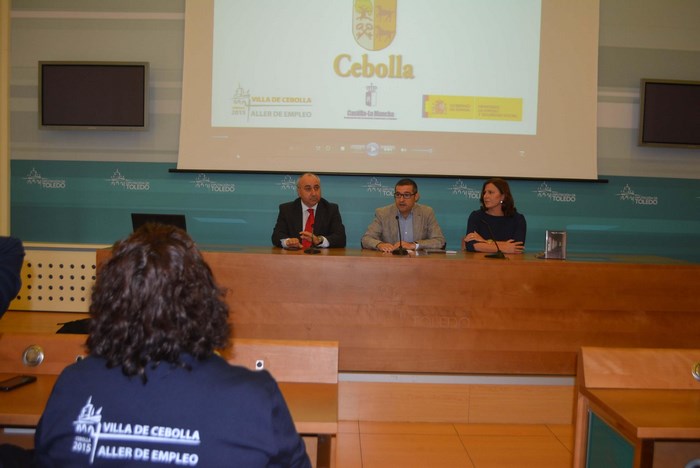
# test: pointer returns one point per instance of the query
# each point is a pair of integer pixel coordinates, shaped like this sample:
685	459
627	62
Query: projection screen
446	87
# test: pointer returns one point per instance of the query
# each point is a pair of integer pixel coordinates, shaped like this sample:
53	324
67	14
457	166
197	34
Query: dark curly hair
503	187
155	299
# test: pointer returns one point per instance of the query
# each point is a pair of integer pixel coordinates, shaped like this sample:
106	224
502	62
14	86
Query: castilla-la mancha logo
374	23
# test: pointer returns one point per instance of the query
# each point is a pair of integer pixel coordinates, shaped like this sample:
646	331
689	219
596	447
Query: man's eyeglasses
403	195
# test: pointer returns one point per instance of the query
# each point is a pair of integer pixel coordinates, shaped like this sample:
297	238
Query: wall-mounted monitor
93	95
669	113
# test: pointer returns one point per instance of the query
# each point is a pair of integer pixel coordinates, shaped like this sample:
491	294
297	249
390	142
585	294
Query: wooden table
314	409
637	407
650	420
23	406
649	413
460	313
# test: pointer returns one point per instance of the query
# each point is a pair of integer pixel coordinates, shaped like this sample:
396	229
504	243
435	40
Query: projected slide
405	87
439	65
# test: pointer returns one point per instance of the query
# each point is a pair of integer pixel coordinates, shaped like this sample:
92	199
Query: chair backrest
288	360
651	368
56	279
51	352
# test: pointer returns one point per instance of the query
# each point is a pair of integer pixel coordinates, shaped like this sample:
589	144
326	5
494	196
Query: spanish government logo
374	23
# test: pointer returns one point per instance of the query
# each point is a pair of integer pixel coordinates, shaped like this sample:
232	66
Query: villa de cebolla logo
374	29
374	23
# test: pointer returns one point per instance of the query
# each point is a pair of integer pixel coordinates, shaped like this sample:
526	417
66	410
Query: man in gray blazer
419	228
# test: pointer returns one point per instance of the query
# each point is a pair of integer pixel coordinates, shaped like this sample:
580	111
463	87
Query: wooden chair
44	354
288	360
307	373
39	353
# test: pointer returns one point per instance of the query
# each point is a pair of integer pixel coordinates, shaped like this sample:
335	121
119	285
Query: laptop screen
139	219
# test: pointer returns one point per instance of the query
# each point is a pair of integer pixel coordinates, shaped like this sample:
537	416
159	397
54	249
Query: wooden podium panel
460	313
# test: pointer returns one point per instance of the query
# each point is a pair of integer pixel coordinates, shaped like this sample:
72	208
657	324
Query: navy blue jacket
503	227
212	415
11	258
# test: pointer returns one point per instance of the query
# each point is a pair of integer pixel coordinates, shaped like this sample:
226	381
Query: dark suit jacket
327	223
11	257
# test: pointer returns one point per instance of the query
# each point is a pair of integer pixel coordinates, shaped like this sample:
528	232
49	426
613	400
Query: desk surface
314	407
458	313
23	406
450	255
650	413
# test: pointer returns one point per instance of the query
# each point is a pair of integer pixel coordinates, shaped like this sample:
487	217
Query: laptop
139	219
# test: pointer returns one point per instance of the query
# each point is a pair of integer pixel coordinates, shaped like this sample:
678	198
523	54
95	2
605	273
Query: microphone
499	253
312	248
400	250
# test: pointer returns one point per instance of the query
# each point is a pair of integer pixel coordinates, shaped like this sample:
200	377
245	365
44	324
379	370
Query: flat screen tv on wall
93	95
669	113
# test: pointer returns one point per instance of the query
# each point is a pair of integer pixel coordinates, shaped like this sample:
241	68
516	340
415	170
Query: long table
458	313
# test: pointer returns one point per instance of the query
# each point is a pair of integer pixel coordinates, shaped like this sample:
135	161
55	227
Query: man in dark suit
294	230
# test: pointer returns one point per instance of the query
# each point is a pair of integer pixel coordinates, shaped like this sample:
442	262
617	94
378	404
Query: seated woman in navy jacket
497	220
153	390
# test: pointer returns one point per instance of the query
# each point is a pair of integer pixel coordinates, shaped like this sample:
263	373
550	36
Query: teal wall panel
91	202
63	189
607	448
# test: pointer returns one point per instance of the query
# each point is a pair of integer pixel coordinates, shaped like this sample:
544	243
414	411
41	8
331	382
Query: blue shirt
406	225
